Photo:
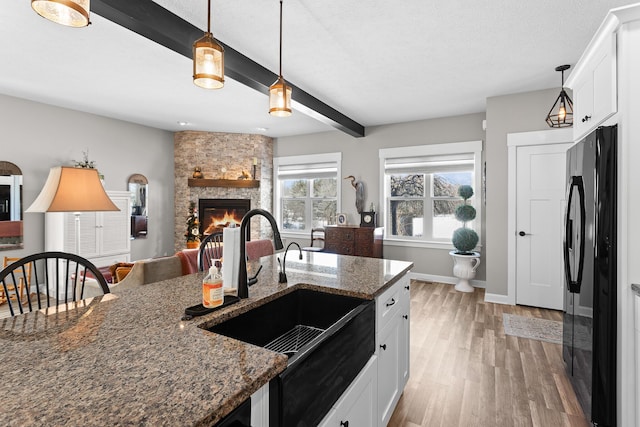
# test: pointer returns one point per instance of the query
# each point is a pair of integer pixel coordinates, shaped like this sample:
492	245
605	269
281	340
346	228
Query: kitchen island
128	358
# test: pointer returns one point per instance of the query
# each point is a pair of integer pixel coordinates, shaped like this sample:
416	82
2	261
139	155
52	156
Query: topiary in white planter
464	239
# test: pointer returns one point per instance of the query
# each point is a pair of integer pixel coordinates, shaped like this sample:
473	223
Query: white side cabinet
594	88
105	237
392	341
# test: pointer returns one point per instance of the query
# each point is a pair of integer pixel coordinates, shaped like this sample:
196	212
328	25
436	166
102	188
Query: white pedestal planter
464	268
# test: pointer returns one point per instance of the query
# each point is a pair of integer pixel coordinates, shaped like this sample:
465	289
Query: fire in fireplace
216	214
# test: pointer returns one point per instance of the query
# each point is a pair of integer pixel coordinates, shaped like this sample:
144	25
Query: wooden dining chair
210	249
58	278
24	283
317	240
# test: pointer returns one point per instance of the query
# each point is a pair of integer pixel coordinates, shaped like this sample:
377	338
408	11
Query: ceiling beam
156	23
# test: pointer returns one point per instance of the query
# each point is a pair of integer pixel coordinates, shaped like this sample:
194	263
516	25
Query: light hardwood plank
465	371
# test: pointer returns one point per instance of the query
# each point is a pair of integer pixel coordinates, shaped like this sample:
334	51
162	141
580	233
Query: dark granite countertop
128	358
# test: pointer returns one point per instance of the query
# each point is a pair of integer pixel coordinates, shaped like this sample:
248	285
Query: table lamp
70	189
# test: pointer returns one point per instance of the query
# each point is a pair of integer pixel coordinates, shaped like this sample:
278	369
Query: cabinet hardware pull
585	118
383	346
393	301
344	423
407	287
406	316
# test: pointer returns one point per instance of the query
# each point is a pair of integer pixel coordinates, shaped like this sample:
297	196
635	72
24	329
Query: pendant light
208	59
280	91
72	13
561	114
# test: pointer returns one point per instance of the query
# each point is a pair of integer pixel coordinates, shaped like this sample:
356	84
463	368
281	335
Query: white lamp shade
70	189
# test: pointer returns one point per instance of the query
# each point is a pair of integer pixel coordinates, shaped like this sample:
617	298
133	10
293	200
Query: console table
354	240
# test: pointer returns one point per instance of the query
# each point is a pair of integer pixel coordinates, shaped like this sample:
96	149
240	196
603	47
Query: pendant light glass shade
280	98
208	59
561	114
280	91
72	13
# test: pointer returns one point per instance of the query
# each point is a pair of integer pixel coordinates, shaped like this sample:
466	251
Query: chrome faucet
243	286
282	277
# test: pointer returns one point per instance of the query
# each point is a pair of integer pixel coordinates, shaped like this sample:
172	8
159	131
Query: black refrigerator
589	318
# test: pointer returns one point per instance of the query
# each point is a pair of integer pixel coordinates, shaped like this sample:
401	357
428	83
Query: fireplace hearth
217	214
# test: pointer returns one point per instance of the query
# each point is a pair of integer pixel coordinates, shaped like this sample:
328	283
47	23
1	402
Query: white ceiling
376	61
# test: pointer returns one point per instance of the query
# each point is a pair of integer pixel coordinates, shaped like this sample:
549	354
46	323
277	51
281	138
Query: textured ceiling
377	62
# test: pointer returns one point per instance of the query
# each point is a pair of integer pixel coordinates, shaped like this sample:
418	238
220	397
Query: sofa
149	271
182	262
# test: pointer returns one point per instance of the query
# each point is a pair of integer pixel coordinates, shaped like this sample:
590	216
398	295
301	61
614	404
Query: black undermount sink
328	338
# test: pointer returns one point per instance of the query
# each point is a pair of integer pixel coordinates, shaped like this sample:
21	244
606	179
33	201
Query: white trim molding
444	279
515	140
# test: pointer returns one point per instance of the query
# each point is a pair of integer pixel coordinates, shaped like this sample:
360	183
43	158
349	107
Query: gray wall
360	158
37	137
521	112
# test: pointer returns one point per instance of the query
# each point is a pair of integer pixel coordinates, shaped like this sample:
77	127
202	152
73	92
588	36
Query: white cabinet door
260	407
357	405
115	228
403	346
595	89
389	386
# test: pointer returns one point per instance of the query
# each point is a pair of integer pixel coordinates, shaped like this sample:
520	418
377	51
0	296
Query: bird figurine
359	187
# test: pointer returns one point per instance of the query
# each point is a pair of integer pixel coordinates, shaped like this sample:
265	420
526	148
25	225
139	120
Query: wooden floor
466	372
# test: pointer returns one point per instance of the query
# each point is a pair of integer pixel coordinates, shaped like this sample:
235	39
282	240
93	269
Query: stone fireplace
222	158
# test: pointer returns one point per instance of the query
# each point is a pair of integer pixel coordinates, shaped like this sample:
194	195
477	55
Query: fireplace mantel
228	183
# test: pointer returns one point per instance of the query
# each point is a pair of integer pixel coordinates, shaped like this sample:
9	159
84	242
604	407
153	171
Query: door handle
522	233
574	285
393	301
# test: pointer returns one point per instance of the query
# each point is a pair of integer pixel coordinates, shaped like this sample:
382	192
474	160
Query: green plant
85	163
465	239
193	226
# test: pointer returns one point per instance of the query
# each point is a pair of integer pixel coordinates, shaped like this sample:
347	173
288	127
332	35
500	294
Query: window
306	191
420	190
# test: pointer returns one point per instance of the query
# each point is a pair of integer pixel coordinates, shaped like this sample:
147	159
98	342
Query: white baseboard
497	299
444	279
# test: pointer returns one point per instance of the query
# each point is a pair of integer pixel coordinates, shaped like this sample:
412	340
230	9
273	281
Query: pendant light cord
208	16
280	38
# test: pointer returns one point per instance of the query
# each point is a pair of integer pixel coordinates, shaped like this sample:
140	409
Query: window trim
309	159
448	148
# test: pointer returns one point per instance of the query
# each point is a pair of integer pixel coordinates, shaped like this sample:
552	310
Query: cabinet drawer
388	304
347	236
345	248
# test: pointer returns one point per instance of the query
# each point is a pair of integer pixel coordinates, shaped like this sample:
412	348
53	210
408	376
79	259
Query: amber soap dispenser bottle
212	292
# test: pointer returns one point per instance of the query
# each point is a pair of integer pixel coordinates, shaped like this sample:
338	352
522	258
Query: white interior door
540	203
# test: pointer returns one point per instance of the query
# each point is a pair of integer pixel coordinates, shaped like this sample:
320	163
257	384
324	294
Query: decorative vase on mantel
465	260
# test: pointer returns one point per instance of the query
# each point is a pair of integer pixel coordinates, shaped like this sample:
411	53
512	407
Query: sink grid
293	340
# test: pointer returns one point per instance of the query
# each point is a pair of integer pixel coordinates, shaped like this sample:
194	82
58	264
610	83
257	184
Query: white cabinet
392	339
372	397
594	83
104	236
357	405
260	407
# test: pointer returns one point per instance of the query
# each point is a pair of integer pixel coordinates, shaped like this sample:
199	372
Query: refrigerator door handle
574	285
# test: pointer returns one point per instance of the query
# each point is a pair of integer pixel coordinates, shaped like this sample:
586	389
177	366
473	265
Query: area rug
533	328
